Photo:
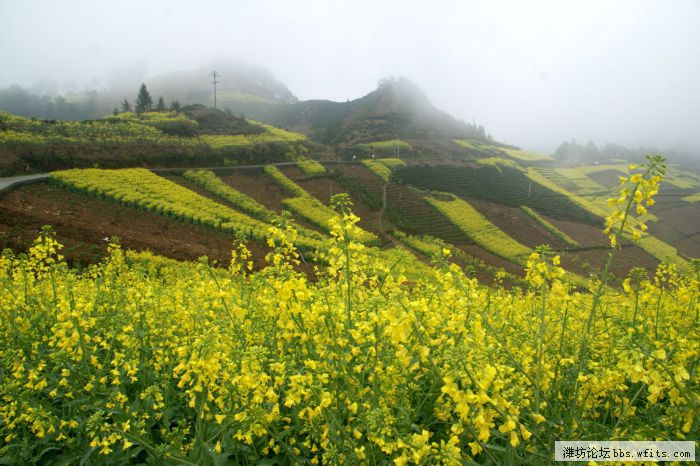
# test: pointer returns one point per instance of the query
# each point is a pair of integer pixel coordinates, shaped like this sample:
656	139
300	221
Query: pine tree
160	106
126	106
175	105
143	100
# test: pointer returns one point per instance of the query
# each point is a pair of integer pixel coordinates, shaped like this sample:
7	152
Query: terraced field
259	198
489	150
479	229
309	207
593	197
143	189
383	167
497	182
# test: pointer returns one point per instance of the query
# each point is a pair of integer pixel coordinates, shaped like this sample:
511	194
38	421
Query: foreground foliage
142	357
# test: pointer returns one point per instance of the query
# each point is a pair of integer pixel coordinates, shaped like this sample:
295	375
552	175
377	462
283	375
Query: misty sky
532	72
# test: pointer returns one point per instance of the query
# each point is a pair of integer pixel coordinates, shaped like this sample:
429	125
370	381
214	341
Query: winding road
12	182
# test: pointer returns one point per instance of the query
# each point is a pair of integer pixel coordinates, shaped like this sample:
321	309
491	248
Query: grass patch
383	146
392	163
270	135
311	168
378	168
692	198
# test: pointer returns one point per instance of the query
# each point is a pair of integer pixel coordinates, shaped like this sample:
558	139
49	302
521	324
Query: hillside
238	83
396	110
485	202
452	182
194	136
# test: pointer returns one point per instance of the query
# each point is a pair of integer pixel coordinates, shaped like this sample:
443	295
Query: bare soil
516	224
260	187
323	188
84	225
584	234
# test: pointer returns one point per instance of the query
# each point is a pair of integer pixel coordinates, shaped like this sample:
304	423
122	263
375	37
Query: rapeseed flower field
142	359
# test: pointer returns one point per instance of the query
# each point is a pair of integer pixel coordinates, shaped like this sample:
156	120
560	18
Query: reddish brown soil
593	250
584	234
516	224
324	187
584	261
684	218
260	187
361	173
607	178
689	246
82	223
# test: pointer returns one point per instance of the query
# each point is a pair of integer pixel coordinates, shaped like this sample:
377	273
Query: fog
533	73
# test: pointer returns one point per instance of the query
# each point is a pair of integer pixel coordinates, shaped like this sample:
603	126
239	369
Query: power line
214	75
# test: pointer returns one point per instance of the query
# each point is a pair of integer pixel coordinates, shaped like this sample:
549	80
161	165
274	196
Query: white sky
532	72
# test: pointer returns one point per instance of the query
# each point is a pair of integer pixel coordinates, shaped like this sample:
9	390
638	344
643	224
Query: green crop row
24	131
524	155
496	180
156	127
290	186
392	163
378	168
479	229
168	122
589	169
549	226
308	207
271	135
137	187
310	167
385	145
692	198
320	215
212	183
399	257
660	250
431	246
489	149
547	180
479	146
427	245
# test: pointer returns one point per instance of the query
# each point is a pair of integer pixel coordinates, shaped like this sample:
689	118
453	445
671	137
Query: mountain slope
237	82
397	109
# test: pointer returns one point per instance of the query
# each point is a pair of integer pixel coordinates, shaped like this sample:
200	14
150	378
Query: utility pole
214	75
